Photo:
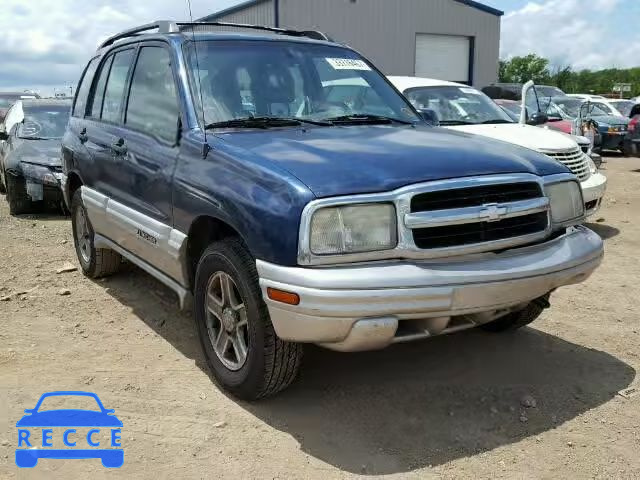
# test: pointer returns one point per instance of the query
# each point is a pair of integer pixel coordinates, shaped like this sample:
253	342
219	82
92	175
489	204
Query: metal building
455	40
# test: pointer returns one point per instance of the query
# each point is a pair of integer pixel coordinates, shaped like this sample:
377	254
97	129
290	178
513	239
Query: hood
610	119
335	161
528	136
69	418
40	152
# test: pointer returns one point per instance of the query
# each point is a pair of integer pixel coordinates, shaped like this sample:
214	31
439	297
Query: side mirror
538	118
429	116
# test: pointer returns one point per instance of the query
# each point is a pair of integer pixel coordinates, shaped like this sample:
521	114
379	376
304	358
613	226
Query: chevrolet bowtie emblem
492	212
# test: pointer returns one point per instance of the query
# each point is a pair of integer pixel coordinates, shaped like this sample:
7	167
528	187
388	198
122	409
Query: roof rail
313	34
163	26
168	26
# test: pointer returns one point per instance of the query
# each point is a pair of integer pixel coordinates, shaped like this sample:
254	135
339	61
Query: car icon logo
83	433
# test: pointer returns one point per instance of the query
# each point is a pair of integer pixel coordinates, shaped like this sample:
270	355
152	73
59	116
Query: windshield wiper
495	121
452	123
33	138
263	122
366	118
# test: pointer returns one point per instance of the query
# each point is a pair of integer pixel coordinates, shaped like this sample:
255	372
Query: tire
521	318
19	201
270	364
3	188
95	262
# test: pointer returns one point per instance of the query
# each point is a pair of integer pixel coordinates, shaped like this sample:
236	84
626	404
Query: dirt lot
446	408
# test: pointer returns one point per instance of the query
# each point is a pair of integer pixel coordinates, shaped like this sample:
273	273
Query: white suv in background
460	107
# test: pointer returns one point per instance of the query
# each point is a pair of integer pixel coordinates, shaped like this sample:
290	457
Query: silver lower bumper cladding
367	306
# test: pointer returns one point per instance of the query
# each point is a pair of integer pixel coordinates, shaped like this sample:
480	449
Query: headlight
566	201
593	169
353	228
38	173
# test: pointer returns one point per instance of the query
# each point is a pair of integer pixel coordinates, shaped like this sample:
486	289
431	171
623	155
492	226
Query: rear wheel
19	201
95	262
519	319
241	347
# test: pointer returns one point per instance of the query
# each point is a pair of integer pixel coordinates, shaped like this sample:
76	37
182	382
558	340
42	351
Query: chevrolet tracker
226	164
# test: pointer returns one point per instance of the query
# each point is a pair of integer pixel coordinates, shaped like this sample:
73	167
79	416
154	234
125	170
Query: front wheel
240	345
17	197
3	188
95	262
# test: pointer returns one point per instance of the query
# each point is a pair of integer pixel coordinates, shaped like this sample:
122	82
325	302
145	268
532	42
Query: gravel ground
543	402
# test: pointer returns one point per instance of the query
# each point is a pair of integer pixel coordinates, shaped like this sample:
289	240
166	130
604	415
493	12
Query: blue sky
47	51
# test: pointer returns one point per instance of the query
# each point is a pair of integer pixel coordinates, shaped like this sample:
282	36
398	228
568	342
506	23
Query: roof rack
167	26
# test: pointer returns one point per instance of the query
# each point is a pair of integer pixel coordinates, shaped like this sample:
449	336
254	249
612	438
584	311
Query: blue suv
229	166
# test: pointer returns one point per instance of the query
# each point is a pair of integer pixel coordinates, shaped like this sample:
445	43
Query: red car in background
513	109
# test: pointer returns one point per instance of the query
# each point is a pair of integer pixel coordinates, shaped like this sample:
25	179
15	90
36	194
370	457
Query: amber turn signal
283	297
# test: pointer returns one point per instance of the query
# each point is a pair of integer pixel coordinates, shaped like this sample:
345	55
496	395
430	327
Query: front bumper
367	306
593	189
41	182
613	140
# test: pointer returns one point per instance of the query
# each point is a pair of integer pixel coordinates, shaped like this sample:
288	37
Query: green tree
523	69
533	67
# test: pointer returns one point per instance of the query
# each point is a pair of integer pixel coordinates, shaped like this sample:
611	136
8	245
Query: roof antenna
205	147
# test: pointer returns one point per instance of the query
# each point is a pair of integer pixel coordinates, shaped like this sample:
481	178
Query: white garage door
445	57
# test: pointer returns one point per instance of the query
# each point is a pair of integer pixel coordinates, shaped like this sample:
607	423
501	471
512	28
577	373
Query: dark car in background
30	165
612	128
633	131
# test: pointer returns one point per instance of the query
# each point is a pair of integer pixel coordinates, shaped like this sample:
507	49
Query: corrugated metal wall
261	13
385	30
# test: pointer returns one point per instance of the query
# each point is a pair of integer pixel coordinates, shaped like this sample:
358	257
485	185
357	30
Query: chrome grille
575	160
478	214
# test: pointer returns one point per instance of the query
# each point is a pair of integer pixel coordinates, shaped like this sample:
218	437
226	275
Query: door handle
119	148
82	136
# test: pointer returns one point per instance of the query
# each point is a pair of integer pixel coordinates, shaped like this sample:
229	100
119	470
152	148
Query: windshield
605	107
44	122
548	91
6	102
624	107
289	80
458	105
69	402
571	107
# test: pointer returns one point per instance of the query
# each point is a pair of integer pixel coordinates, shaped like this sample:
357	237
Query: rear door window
114	93
153	103
83	89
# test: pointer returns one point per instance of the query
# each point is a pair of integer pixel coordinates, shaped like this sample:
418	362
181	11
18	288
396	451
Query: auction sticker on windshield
348	64
56	428
471	91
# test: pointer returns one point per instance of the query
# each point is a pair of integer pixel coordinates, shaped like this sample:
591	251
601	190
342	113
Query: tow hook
542	302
